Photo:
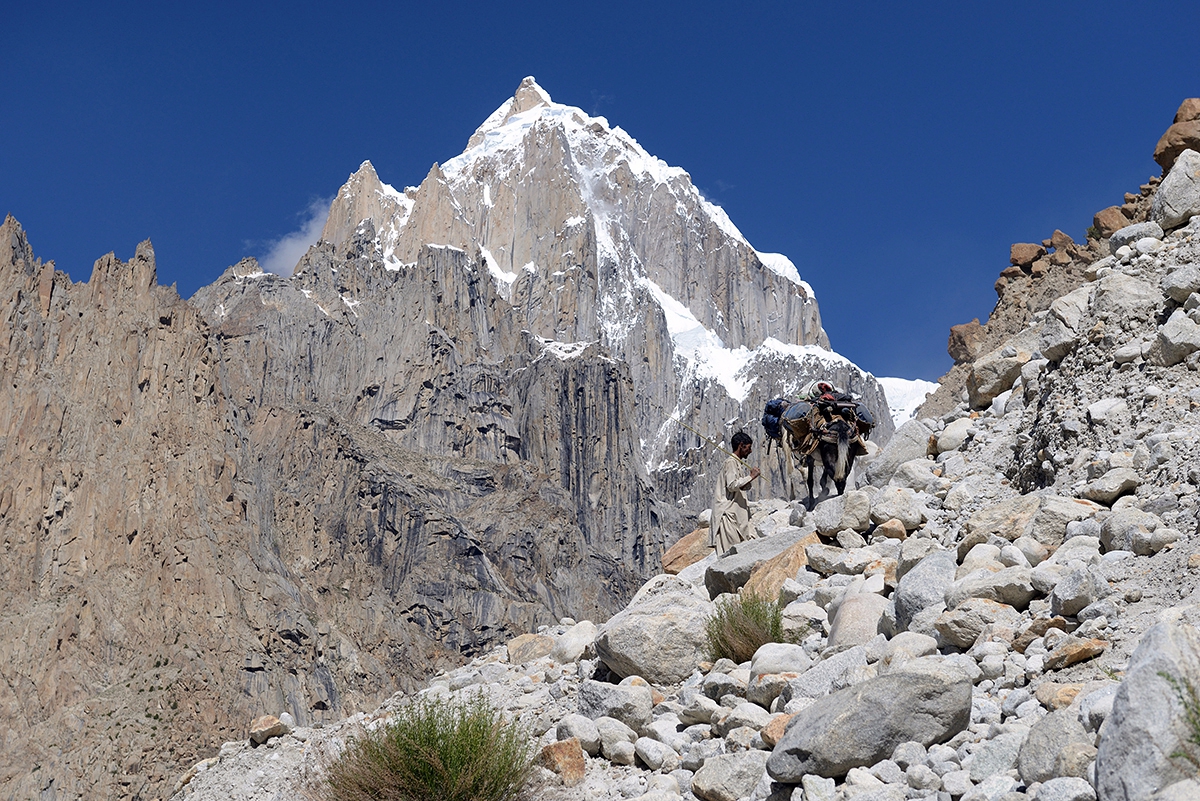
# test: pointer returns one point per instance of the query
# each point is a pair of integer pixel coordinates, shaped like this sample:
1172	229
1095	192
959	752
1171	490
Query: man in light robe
730	522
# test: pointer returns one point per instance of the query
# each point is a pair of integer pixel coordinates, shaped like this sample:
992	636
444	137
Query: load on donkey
825	420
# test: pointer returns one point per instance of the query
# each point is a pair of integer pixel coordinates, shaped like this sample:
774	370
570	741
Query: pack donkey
833	425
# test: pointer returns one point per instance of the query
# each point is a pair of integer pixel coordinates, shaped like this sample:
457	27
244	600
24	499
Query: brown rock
529	647
1179	137
966	339
892	529
1022	254
1060	241
773	731
566	759
1109	221
1039	627
688	550
1072	650
1059	258
768	577
1054	696
1193	562
885	566
1039	268
1011	272
265	727
1188	110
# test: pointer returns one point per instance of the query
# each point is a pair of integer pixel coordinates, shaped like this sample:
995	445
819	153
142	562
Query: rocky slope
997	613
302	494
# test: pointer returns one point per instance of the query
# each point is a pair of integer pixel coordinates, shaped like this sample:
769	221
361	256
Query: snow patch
784	267
504	280
904	396
564	351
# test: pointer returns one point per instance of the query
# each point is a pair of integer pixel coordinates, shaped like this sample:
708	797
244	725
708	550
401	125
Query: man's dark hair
739	439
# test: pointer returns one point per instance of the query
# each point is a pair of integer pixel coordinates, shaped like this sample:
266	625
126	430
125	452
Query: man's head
824	387
742	444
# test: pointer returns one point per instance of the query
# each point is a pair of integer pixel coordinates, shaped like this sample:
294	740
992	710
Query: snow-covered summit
587	237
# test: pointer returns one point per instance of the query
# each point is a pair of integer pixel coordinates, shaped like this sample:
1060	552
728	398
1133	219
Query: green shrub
456	750
742	624
1190	700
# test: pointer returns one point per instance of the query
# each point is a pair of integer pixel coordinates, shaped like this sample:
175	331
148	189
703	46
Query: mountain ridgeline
452	424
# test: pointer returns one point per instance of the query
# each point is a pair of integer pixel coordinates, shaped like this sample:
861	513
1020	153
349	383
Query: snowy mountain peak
587	237
529	95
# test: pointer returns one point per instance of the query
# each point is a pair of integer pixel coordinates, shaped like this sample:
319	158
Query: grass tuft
453	750
742	624
1190	700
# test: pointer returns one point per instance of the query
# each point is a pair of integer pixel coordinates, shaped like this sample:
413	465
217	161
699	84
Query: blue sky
893	151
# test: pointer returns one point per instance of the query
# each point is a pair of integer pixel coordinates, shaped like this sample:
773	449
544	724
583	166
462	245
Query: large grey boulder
962	625
1072	308
1177	339
1178	196
728	777
852	510
1055	339
1147	723
1132	233
772	667
819	679
732	569
1012	586
1179	284
1128	529
994	373
998	755
863	724
582	727
1122	296
1008	519
1078	585
897	503
660	635
911	441
572	643
1046	740
1049	524
924	586
631	704
1112	485
856	621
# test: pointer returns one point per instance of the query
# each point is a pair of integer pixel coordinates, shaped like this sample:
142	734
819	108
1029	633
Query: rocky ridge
992	615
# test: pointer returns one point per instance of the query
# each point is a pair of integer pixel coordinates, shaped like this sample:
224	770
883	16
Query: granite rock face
209	519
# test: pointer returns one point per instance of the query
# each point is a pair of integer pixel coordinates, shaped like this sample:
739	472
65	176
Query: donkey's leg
812	501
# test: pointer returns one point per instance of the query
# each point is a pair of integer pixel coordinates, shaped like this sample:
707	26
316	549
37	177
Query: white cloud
284	254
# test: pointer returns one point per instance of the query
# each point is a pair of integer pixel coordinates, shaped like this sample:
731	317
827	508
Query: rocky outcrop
1184	134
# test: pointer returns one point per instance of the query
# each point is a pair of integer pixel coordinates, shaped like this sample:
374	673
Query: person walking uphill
730	522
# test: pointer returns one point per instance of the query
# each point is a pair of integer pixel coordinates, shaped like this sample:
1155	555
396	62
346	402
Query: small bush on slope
741	625
455	750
